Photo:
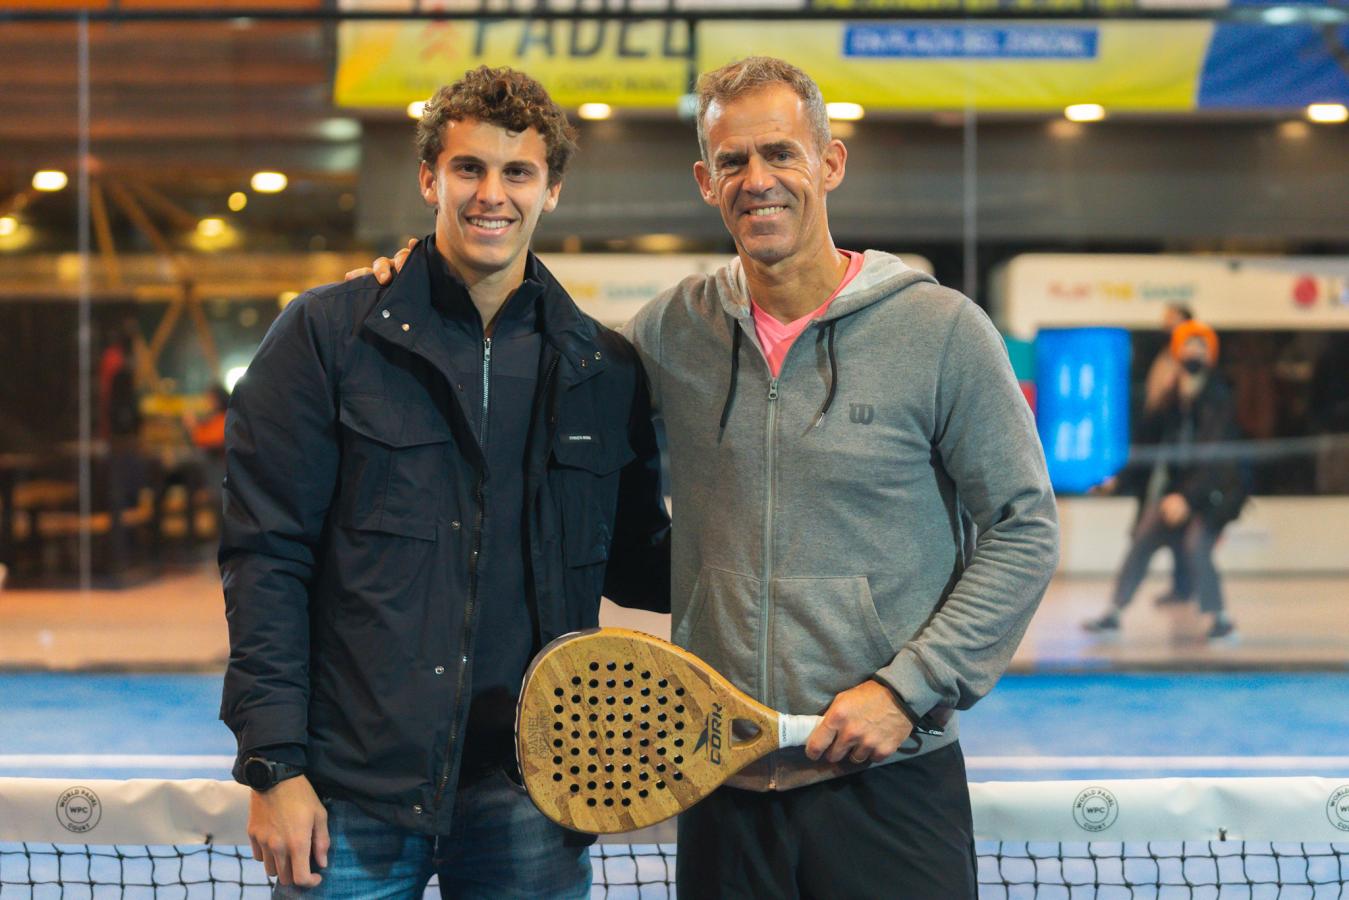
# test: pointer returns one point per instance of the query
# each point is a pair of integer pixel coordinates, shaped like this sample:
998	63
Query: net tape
1103	840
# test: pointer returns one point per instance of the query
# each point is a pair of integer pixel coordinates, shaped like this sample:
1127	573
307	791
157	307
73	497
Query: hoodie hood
882	275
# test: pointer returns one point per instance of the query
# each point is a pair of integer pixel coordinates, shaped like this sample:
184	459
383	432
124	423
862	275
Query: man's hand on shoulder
863	723
384	268
287	824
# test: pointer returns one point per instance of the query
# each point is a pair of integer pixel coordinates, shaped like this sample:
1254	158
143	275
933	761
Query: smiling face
768	176
489	187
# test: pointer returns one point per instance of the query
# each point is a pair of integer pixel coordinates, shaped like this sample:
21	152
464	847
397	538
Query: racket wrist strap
794	730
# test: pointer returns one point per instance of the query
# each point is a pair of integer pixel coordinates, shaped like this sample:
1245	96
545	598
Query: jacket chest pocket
586	465
394	466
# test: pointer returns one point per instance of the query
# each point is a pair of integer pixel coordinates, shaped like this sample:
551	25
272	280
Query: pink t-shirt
777	338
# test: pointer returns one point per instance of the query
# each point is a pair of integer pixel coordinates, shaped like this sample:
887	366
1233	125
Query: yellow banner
995	66
634	63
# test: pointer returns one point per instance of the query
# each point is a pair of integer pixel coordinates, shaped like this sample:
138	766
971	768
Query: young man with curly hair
426	482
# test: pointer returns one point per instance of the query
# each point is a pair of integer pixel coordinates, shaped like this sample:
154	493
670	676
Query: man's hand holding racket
863	723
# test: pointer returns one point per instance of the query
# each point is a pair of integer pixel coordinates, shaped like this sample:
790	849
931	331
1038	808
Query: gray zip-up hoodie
879	510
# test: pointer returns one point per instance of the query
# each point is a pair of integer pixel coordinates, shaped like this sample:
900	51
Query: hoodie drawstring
735	376
833	375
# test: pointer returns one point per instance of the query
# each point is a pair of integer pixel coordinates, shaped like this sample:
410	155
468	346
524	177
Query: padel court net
1152	838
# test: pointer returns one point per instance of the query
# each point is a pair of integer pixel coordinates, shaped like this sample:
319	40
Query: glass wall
168	184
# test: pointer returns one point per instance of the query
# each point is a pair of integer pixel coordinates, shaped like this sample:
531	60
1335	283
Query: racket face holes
627	667
679	710
611	666
627	682
594	734
608	801
626	802
558	692
678	760
576	679
592	768
594	667
575	698
646	692
627	785
642	793
558	743
662	683
660	785
679	742
575	770
679	726
610	684
627	767
594	701
642	776
576	735
678	776
590	785
557	760
558	709
679	692
646	675
660	750
576	789
590	801
557	776
575	751
594	682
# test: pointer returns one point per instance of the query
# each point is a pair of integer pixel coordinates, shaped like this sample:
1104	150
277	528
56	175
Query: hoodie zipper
766	607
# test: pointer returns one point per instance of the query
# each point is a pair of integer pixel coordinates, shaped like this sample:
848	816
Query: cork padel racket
617	730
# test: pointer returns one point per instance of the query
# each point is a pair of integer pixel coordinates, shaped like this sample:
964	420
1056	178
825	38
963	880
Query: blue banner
1261	66
970	42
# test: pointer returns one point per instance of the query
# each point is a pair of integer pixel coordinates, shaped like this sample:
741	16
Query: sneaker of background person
1222	627
1106	624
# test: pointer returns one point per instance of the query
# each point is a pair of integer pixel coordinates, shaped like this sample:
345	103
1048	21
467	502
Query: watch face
258	774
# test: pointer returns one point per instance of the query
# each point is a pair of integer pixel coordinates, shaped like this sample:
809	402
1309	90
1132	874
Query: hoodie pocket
721	625
826	638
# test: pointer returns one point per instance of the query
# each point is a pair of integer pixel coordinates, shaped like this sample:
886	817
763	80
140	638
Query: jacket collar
401	312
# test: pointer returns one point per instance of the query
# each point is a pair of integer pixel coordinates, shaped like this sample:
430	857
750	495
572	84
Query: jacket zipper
472	601
486	386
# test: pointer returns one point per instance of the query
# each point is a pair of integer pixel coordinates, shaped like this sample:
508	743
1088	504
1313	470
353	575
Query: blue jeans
500	846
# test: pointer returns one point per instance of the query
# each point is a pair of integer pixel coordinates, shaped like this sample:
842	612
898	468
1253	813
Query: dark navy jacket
353	527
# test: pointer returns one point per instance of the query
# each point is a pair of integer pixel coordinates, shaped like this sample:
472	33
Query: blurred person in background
1195	485
1157	391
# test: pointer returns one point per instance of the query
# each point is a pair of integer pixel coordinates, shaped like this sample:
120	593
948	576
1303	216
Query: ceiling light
340	129
50	180
211	227
1084	112
237	201
8	225
594	112
269	182
1328	113
1280	15
844	112
416	108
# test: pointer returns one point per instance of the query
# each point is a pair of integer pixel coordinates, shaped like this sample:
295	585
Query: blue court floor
1032	727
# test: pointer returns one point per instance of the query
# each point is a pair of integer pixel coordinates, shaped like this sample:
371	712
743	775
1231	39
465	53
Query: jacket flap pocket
389	522
589	450
392	423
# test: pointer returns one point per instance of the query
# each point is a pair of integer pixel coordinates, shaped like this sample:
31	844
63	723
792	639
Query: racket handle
794	730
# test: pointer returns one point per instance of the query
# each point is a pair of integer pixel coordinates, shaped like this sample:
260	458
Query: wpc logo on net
78	810
1095	809
1337	808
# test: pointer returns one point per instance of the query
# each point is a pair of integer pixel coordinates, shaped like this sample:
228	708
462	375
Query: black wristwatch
264	774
